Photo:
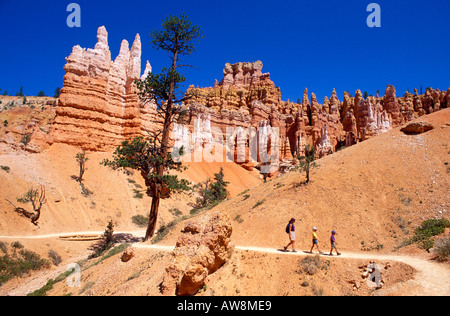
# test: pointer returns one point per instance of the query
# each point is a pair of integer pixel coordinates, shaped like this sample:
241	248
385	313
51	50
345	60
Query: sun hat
314	228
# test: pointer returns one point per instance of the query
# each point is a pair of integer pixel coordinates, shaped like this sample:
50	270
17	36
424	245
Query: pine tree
57	92
307	161
151	155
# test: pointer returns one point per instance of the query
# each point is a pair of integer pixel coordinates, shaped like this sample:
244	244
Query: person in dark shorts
333	243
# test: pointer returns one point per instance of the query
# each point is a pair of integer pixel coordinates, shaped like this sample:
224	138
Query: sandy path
431	279
139	233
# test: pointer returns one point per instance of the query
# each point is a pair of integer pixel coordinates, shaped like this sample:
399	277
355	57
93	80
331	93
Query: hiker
315	241
333	244
290	229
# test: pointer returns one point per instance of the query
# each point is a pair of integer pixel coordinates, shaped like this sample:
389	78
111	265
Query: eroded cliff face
99	108
247	97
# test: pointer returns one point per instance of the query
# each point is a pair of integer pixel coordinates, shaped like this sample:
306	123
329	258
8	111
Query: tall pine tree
151	155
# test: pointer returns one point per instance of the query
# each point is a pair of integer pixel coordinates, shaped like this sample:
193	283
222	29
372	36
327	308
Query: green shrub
5	168
175	212
212	191
43	290
258	203
17	264
140	220
428	229
26	138
163	231
138	194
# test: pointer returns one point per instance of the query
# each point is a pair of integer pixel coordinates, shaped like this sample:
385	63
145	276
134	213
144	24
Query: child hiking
290	229
315	241
333	244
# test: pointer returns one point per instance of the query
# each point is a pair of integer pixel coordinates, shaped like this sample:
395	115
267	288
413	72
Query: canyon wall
247	97
99	108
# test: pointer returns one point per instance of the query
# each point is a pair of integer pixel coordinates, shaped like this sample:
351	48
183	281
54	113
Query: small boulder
128	254
417	128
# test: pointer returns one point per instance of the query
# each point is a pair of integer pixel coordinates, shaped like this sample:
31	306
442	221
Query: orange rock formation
99	108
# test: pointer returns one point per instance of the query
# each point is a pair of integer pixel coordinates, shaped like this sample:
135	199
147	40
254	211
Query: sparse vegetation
259	203
25	139
163	230
138	194
312	264
140	220
81	160
306	162
43	290
57	92
212	191
55	257
400	221
442	249
280	185
20	262
175	212
137	190
239	219
5	168
114	251
20	93
107	243
37	199
424	233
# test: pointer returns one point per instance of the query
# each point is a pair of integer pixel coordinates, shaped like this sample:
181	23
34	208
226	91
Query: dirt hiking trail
431	279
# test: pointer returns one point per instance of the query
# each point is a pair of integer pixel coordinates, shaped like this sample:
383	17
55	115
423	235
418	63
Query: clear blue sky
320	45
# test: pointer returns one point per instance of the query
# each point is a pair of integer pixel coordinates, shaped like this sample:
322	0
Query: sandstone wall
247	97
99	108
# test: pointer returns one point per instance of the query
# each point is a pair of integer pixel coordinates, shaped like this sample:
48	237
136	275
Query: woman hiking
290	229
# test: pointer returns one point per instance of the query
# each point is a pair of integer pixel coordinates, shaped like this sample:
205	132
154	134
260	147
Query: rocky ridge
99	108
247	97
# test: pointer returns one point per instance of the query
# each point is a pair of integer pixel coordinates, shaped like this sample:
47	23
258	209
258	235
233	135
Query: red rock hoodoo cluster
246	97
99	108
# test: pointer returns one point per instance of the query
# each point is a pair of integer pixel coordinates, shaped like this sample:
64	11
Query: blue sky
320	45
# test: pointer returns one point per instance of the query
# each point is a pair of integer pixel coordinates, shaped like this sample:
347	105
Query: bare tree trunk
153	217
35	218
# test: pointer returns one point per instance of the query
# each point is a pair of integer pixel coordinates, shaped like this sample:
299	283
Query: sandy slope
113	192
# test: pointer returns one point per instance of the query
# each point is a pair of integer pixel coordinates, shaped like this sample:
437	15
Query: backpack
287	228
